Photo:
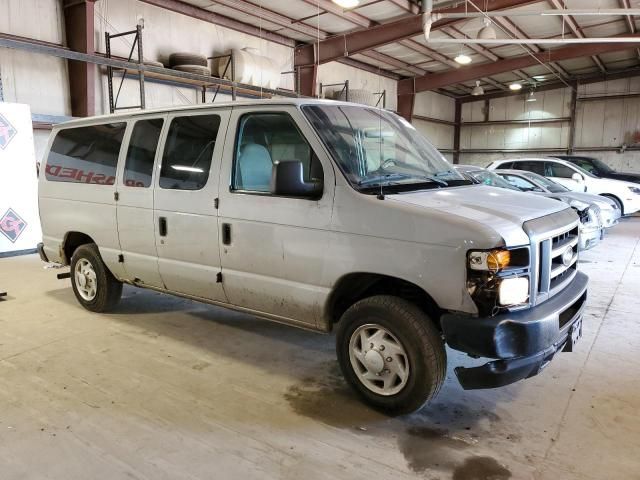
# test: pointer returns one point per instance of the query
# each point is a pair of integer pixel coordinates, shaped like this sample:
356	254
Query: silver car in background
591	228
529	181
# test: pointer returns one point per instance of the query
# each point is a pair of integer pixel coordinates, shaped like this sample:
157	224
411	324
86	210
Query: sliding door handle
162	226
226	234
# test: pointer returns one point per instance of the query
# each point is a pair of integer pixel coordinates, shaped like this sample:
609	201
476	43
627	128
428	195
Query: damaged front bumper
522	343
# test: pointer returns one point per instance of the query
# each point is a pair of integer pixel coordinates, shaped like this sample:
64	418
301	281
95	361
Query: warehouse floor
168	388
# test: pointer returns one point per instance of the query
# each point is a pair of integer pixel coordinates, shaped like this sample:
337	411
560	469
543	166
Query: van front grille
554	247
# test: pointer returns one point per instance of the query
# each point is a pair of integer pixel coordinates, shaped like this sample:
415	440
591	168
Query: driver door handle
162	226
226	234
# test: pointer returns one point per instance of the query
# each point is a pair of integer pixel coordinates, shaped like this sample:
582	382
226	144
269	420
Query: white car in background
609	212
625	194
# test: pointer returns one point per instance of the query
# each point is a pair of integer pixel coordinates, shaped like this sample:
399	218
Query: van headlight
513	291
498	279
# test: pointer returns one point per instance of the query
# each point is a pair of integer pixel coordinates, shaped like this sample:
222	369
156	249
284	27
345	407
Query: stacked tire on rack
189	62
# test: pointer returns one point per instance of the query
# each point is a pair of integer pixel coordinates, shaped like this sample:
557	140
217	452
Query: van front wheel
93	284
390	352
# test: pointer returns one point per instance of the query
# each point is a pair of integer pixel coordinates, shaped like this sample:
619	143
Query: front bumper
609	217
522	342
589	237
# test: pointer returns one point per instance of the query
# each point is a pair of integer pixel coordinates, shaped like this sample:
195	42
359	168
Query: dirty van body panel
69	202
369	233
136	228
279	246
185	217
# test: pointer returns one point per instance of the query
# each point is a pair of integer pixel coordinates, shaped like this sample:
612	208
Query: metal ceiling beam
576	30
631	24
361	40
515	31
362	21
437	80
211	17
80	35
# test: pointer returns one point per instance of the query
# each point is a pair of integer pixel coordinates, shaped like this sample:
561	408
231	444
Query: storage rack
137	41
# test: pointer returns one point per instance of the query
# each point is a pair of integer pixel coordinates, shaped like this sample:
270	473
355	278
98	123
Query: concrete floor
171	389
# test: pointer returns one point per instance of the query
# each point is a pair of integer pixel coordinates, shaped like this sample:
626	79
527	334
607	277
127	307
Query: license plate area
574	335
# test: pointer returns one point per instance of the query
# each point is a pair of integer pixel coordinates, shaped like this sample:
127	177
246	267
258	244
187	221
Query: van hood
503	210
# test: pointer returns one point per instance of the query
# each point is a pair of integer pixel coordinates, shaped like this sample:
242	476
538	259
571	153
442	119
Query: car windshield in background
486	177
602	167
376	149
550	185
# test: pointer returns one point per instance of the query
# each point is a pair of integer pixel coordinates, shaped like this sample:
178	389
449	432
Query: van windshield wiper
389	180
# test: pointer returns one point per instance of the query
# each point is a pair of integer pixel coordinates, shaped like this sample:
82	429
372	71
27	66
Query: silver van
321	215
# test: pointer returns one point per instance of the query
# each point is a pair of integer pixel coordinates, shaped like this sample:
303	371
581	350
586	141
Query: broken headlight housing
498	279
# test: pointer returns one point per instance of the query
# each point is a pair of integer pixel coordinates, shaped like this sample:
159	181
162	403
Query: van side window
86	154
188	152
263	140
141	153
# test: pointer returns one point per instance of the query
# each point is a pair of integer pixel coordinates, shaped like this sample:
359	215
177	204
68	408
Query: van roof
203	106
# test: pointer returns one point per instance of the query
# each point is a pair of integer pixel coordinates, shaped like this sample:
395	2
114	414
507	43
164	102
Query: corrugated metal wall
599	123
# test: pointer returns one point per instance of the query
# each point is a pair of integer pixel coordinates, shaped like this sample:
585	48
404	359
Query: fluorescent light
182	168
515	87
347	3
463	59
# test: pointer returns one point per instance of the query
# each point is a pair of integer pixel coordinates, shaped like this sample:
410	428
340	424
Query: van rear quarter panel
78	207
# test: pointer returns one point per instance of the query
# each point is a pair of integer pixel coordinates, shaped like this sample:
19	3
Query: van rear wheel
390	352
93	284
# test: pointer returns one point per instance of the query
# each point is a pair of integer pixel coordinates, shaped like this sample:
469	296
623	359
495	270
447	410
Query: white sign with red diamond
19	219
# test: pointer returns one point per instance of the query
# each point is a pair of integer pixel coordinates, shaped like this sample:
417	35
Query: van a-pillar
80	33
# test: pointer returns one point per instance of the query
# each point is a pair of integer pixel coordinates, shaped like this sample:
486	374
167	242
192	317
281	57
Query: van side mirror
287	179
577	177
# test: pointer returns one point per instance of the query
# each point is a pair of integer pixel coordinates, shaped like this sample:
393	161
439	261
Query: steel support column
406	100
573	116
306	79
456	132
80	32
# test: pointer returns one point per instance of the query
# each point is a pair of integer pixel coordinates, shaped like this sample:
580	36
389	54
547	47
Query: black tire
187	59
108	289
197	69
418	336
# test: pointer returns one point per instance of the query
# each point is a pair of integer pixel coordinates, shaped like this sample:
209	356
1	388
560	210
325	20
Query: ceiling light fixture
515	87
532	97
487	32
463	59
477	90
347	3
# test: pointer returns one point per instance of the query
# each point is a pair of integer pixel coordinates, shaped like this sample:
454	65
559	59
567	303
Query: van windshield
376	149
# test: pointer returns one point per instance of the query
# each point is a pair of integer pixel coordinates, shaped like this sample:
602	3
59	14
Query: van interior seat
254	167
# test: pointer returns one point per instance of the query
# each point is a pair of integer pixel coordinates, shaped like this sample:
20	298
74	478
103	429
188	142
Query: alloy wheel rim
378	359
86	280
